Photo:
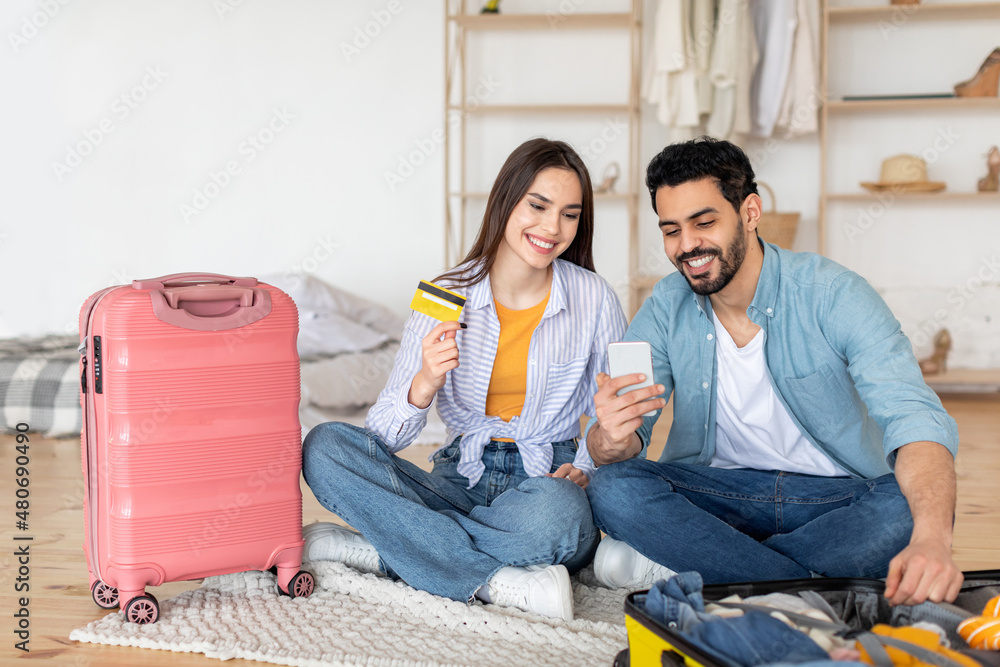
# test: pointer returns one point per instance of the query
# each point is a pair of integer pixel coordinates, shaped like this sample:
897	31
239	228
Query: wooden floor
60	600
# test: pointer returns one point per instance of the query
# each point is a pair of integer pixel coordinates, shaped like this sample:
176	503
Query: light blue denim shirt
837	358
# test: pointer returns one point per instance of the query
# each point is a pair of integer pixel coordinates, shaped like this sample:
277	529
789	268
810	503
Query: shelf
965	381
986	197
622	196
949	103
551	21
541	108
930	11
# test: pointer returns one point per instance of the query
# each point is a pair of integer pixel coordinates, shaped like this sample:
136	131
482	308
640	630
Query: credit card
437	302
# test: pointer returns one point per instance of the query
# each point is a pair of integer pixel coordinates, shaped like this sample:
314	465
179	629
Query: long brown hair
512	183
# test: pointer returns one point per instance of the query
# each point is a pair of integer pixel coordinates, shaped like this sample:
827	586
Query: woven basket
777	228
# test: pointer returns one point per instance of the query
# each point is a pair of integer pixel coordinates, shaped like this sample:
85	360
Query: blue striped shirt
568	349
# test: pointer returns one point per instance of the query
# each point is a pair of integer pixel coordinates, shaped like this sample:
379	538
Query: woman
503	515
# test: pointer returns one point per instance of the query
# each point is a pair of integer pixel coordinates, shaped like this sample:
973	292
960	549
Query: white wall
316	198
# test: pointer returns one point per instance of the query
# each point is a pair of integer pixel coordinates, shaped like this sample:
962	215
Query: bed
347	345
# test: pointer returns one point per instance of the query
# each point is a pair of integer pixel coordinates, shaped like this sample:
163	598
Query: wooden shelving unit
940	17
460	25
542	108
948	103
898	15
917	197
965	381
941	11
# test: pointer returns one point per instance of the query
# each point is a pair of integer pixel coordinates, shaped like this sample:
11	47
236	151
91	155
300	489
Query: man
804	439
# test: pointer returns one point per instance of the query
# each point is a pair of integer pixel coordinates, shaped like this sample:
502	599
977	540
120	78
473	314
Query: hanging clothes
798	114
671	78
734	58
703	33
775	23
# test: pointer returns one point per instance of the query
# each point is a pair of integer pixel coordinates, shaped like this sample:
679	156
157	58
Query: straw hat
904	173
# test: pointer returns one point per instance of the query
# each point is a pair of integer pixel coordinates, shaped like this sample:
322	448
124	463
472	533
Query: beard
729	263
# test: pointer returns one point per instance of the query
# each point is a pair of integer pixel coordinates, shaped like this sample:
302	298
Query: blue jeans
752	525
432	531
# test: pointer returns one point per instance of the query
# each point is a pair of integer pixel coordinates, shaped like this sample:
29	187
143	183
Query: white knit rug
360	619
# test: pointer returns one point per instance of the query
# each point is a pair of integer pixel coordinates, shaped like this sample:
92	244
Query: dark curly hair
700	158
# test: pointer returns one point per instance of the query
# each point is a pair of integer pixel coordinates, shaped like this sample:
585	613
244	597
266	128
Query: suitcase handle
208	299
210	307
177	278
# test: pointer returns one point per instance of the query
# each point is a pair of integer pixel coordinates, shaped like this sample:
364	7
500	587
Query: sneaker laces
651	570
363	555
508	594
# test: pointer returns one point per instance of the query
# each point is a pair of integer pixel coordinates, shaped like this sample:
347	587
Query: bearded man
804	440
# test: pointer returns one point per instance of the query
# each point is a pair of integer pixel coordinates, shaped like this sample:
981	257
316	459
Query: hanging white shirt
775	22
799	114
734	58
670	81
752	427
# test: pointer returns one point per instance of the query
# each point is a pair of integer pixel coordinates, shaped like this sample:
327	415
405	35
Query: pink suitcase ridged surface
191	441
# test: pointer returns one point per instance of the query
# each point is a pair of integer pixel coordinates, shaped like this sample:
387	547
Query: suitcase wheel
105	597
301	585
142	609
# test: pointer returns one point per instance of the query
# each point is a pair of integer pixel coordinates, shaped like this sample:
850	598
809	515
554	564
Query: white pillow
333	321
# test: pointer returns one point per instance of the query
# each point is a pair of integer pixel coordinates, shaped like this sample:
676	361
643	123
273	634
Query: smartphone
632	357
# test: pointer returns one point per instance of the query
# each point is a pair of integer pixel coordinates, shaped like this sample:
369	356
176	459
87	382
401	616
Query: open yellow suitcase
651	644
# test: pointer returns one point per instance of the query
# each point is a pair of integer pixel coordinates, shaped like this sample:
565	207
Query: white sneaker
617	565
330	541
543	589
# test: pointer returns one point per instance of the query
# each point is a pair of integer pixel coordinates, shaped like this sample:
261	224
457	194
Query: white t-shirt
752	427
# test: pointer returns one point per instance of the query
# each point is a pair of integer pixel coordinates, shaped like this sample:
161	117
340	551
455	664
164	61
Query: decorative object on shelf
938	361
611	174
491	7
991	182
903	173
777	228
986	82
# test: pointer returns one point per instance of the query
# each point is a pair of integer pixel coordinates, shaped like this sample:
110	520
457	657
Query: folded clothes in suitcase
191	442
764	635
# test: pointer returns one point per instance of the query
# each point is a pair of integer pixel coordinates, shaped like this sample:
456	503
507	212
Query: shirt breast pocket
820	399
562	380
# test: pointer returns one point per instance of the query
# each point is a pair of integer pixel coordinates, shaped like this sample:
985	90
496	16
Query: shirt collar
765	299
480	295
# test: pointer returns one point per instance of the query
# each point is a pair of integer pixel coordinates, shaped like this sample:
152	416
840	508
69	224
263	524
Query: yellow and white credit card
437	302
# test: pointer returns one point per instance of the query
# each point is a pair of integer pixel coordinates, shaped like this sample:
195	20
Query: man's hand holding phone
619	416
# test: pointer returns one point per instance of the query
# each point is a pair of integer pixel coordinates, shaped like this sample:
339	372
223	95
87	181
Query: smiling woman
503	515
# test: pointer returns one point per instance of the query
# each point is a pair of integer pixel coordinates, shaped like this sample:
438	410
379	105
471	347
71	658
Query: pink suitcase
191	440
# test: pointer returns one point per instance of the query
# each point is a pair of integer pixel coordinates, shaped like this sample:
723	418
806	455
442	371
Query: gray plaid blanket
40	385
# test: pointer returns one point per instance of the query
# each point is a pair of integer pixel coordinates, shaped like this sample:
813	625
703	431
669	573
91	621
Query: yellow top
505	396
